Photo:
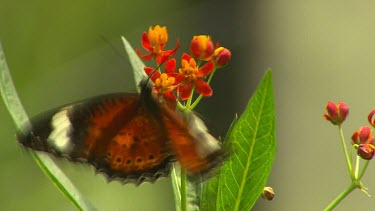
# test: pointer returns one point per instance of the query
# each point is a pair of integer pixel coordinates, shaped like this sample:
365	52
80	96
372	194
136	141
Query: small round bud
366	151
268	193
336	114
222	56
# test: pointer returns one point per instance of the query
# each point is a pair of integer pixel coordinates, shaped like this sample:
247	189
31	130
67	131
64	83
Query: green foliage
16	110
252	141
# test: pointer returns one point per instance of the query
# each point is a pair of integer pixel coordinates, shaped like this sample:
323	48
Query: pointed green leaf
19	116
211	187
135	62
252	140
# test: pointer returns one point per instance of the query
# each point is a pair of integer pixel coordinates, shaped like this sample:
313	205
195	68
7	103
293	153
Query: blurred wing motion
129	137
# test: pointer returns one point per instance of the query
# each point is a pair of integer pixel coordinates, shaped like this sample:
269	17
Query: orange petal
174	50
169	96
185	91
146	43
186	57
164	55
206	69
203	88
152	73
146	56
170	66
179	78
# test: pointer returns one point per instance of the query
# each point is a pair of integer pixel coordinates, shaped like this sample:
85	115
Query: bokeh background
59	52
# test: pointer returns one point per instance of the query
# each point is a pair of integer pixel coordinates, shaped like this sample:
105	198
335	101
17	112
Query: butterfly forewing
115	133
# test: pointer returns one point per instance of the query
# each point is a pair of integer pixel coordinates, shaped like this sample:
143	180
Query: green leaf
19	116
192	191
252	139
211	188
136	63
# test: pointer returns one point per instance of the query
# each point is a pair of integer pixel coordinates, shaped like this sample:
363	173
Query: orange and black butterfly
127	136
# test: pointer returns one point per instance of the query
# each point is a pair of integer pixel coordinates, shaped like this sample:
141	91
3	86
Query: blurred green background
318	50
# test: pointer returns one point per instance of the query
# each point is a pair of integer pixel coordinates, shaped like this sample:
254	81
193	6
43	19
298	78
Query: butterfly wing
196	150
115	133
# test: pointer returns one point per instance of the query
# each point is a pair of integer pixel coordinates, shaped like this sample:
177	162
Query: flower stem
188	102
335	202
200	96
183	190
348	160
363	169
356	170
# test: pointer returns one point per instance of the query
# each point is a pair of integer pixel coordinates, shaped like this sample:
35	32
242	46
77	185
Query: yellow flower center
164	83
189	69
158	37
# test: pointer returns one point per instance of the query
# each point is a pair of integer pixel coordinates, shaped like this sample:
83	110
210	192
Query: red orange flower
194	77
154	42
363	140
165	82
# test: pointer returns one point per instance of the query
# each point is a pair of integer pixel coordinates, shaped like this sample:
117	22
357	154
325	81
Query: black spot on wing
137	177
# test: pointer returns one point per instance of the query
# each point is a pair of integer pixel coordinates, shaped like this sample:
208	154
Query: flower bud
371	120
336	113
222	56
268	193
201	47
366	151
363	136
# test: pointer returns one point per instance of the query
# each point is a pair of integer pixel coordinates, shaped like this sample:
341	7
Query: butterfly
130	137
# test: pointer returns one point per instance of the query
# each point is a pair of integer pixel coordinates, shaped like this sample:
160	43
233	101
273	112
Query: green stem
335	202
200	96
188	102
180	107
363	170
348	161
183	190
356	170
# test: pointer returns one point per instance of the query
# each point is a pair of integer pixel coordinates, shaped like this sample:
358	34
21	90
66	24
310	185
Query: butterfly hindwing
195	149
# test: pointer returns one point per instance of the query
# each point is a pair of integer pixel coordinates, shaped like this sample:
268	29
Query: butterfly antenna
118	53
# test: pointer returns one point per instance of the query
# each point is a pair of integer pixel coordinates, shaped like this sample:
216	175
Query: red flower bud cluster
362	139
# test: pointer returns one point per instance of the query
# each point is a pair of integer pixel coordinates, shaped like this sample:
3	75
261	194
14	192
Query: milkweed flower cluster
196	70
362	139
362	142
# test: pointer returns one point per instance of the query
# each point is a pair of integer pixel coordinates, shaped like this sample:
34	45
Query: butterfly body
127	136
